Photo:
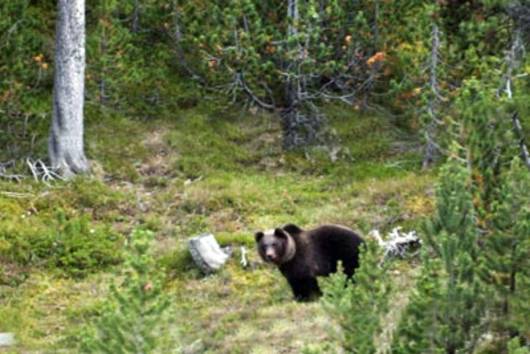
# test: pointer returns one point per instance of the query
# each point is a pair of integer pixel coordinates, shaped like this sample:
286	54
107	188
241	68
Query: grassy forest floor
205	170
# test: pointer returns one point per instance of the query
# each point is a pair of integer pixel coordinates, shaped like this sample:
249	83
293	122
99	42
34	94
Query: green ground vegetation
196	170
172	157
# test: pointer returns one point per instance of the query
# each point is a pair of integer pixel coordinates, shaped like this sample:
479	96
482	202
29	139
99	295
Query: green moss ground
196	170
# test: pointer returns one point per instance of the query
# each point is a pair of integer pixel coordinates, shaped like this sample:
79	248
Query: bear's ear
292	229
258	236
280	233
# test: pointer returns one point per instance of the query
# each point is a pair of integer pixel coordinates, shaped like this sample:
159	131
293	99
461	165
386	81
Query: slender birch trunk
65	147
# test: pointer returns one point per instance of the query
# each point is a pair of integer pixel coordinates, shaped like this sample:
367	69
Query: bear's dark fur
302	255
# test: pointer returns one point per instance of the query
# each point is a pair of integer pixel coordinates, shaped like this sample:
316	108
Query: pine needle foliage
501	197
359	305
285	56
133	317
514	347
486	134
448	304
505	260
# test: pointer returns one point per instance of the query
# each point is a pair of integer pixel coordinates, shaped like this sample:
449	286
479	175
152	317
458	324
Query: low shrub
72	244
136	316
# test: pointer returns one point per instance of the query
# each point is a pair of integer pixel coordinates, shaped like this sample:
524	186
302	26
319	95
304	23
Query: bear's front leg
304	289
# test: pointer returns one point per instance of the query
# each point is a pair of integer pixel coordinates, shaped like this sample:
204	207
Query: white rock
7	339
207	253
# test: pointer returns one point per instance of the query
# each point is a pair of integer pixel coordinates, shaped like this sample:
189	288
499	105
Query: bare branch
513	61
252	96
16	194
525	156
41	172
3	171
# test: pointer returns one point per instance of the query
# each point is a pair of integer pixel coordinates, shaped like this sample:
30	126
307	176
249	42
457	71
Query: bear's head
275	246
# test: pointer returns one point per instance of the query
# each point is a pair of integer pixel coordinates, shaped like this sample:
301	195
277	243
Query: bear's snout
271	256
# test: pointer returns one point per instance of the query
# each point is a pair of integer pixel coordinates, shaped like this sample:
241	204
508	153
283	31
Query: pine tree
479	236
502	202
514	347
486	135
359	305
520	304
448	303
285	56
506	253
114	77
133	317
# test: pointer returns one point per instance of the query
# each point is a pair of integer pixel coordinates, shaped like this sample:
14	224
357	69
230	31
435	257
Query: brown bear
302	255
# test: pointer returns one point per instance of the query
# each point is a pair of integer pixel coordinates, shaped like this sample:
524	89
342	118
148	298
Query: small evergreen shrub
446	308
134	317
78	248
71	244
358	305
505	265
515	347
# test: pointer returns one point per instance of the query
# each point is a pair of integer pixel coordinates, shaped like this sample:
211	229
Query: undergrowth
71	245
187	172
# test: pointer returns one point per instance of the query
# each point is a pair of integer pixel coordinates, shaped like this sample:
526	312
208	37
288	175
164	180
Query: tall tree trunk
431	150
289	123
65	147
302	121
136	17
